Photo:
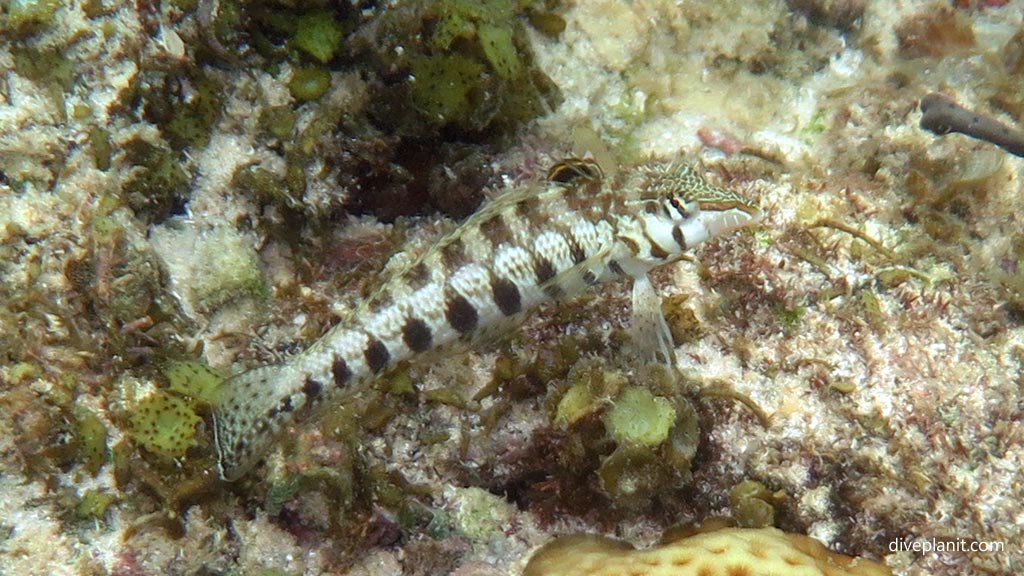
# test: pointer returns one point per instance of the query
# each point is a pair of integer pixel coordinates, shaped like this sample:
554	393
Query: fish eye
678	206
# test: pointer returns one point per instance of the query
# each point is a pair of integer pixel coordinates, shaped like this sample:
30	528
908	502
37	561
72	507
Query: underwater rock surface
196	187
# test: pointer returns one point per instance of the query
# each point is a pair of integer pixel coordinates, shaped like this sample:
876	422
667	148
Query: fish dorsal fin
575	171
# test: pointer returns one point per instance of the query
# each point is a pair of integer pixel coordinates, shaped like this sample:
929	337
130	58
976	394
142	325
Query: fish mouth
724	219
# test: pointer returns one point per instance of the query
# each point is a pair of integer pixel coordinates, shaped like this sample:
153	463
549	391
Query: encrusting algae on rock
711	551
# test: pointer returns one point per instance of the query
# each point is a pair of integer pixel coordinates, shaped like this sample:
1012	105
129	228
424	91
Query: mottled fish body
537	244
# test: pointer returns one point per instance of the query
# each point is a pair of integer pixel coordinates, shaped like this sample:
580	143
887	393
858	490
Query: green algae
789	318
278	121
319	35
93	505
457	19
578	402
164	424
194	380
23	372
470	66
281	492
630	476
683	441
47	66
816	125
193	119
490	24
449	396
117	279
263	185
656	440
622	436
24	17
500	50
752	505
871	308
445	88
376	415
433	72
122	455
516	378
548	23
480	516
401	384
101	148
476	515
309	83
586	387
280	31
307	491
639	417
91	436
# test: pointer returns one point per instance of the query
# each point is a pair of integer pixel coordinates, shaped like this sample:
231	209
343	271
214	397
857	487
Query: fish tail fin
243	419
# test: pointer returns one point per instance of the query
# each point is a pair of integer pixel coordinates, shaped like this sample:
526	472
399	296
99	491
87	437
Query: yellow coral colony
722	552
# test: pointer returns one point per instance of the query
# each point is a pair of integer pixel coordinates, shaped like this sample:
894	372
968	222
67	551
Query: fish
542	242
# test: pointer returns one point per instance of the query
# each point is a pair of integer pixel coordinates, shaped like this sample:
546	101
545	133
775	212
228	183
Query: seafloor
192	187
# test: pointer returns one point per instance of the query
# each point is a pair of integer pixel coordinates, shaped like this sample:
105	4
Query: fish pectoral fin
243	403
651	334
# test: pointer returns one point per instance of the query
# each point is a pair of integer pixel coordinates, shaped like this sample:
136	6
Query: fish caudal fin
241	425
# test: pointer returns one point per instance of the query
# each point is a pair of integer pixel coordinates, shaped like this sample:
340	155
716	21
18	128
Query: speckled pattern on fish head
667	209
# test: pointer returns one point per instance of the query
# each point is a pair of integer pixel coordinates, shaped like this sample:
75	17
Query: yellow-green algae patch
577	402
751	504
22	17
164	424
640	417
620	441
309	83
164	421
443	87
632	474
591	390
481	516
93	505
193	379
91	435
499	49
319	35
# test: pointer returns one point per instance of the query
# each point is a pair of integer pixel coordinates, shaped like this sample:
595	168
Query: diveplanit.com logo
927	545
